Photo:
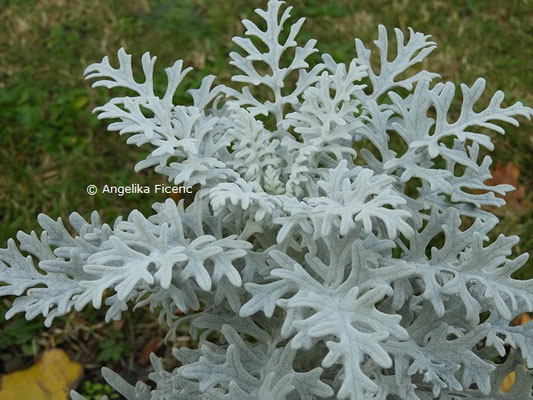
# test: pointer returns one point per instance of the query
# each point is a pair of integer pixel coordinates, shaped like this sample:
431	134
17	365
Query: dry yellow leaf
51	378
522	319
508	381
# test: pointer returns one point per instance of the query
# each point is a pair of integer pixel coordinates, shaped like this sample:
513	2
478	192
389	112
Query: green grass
52	147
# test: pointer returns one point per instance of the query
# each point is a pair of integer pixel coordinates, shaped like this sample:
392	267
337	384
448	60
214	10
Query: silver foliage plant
337	245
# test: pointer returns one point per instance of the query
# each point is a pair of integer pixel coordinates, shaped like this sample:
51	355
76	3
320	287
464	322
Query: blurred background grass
52	147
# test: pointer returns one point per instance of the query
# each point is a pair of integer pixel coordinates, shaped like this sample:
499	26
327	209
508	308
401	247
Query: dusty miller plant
337	245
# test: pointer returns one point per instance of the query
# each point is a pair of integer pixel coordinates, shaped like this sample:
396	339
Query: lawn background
52	146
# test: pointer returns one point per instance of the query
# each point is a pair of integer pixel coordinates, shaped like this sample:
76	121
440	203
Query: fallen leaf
152	346
509	380
510	174
176	197
51	378
522	319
